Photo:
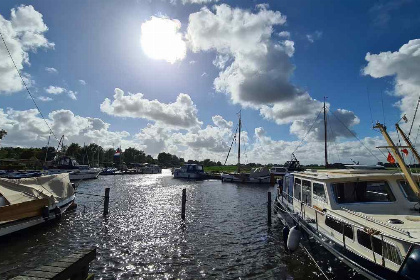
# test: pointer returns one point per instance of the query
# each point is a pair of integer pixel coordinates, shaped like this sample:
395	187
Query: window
338	226
319	192
297	189
199	167
353	192
306	192
408	192
390	252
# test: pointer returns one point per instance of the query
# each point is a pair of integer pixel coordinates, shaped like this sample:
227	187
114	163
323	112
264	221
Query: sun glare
160	39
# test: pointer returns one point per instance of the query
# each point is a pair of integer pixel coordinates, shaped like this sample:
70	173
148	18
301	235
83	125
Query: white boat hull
186	175
242	178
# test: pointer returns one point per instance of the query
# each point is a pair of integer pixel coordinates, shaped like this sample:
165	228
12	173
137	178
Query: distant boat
260	175
32	201
151	169
189	171
69	165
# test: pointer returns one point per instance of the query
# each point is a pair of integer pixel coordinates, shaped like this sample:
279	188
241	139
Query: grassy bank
224	168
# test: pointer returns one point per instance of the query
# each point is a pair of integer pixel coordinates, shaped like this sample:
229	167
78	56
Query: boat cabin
374	213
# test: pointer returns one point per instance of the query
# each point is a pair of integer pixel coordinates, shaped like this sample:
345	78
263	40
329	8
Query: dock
74	267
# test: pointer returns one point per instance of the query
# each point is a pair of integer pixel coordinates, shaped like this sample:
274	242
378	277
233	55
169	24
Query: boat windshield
356	192
408	191
199	167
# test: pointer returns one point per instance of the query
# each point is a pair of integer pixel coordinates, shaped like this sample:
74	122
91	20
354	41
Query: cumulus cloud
161	39
55	90
221	122
404	65
26	128
51	70
285	34
82	82
72	94
182	113
23	33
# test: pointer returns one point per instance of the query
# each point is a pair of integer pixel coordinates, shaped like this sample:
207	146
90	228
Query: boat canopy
53	187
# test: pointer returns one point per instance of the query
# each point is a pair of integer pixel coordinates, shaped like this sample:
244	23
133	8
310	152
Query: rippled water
225	234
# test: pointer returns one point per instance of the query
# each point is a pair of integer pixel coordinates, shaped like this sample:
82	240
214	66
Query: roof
333	174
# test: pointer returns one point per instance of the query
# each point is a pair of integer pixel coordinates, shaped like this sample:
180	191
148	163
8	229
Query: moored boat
69	165
189	171
33	201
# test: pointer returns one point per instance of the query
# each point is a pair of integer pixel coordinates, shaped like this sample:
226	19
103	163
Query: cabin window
353	192
319	192
306	192
338	226
199	168
297	189
390	251
408	191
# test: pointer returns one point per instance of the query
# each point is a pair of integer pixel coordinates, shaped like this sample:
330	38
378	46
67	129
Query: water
225	234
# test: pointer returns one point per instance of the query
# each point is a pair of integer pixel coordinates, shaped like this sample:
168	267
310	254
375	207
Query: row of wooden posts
184	202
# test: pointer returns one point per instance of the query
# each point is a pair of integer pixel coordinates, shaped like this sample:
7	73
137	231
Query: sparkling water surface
225	234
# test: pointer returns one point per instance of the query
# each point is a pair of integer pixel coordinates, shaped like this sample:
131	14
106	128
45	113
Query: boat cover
259	172
54	187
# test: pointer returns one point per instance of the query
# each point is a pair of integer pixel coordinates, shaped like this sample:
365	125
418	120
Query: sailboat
260	175
369	219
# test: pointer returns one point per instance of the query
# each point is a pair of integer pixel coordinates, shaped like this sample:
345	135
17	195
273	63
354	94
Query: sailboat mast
407	140
239	143
325	135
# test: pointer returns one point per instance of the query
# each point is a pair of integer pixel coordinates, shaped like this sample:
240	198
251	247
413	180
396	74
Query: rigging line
370	106
355	136
27	89
315	262
310	128
415	113
383	111
230	148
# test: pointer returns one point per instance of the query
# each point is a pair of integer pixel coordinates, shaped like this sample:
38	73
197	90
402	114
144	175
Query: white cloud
193	62
24	32
285	34
221	122
26	128
44	98
51	70
55	90
204	74
72	94
198	1
182	113
161	39
314	36
404	65
82	82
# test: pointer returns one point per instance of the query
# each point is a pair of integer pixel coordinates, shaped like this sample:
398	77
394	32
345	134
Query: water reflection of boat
32	201
189	171
368	218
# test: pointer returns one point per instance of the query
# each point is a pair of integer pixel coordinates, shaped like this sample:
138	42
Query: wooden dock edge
74	267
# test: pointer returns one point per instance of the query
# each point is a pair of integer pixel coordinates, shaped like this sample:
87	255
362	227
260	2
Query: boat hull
186	175
243	178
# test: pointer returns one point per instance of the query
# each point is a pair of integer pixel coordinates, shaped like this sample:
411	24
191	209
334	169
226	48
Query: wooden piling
106	201
184	200
269	209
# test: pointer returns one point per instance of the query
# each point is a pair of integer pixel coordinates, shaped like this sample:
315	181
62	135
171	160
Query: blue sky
99	42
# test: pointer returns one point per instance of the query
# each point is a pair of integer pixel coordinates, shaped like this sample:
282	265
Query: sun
160	39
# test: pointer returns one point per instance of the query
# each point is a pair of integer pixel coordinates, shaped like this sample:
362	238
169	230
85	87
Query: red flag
390	158
405	152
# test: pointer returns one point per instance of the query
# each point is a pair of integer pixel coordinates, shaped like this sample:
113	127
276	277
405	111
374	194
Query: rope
230	148
354	135
370	107
415	113
27	89
383	111
309	130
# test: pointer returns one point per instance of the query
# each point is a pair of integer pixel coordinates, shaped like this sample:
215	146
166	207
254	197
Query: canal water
225	234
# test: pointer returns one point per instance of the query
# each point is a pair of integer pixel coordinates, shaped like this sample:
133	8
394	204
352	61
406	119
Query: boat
368	218
28	202
151	169
190	171
65	164
259	175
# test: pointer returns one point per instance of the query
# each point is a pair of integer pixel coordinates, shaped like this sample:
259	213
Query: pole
269	209
106	201
325	134
239	145
184	200
410	145
399	159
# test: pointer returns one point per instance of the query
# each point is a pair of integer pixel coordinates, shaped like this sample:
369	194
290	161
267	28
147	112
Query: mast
325	134
239	143
399	158
413	150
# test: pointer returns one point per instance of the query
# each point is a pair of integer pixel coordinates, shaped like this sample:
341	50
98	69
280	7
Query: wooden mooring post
74	267
106	201
269	209
184	200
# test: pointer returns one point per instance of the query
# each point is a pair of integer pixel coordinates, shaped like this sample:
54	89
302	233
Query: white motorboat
151	169
69	165
260	175
189	171
33	201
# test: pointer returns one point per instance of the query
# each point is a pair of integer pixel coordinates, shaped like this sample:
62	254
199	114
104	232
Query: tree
74	150
132	155
2	133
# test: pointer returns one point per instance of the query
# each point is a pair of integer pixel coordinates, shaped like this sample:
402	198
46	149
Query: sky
172	75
